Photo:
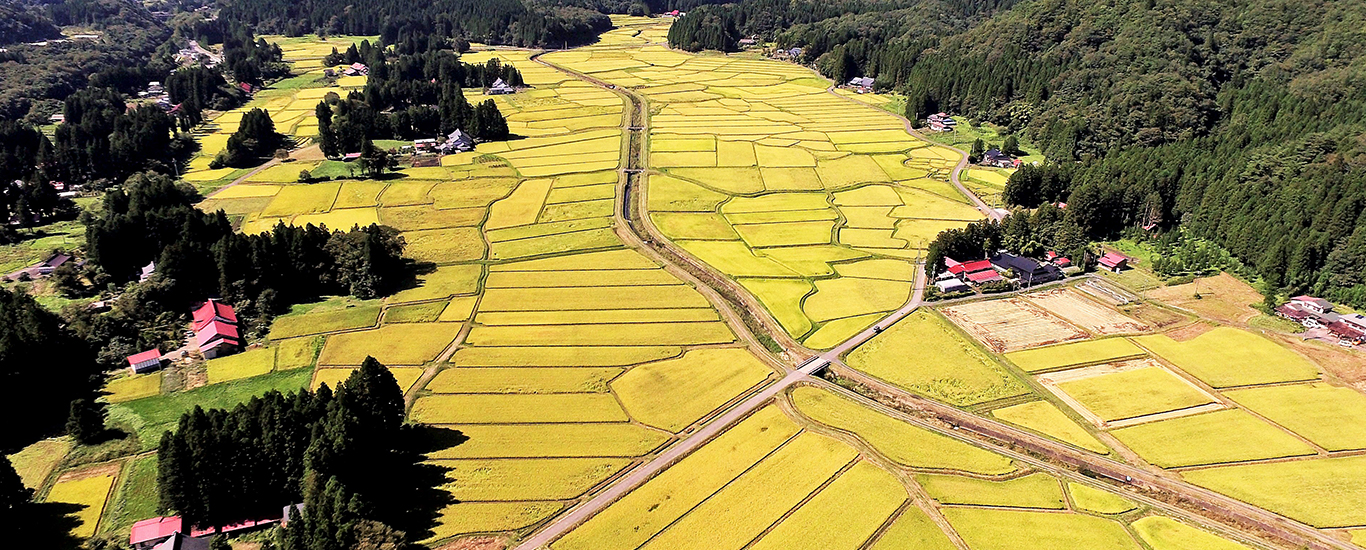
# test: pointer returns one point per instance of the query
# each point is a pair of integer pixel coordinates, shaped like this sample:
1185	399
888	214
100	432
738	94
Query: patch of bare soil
1221	298
1189	331
476	543
1348	365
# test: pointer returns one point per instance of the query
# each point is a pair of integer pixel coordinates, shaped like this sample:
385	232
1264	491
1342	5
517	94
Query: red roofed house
146	361
983	277
215	329
214	310
150	532
1113	261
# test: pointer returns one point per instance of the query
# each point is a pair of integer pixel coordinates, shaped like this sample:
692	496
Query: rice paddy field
778	480
816	204
560	355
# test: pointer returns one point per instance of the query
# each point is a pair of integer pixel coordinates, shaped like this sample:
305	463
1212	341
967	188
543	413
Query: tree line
346	455
490	21
1239	124
410	96
197	254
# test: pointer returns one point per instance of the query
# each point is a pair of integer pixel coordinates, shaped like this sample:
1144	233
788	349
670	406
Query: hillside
1240	120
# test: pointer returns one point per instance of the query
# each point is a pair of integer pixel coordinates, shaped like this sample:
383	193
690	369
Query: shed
951	285
145	362
1114	261
179	541
983	277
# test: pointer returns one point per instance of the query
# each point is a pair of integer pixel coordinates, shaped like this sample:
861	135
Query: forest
511	22
1240	122
318	448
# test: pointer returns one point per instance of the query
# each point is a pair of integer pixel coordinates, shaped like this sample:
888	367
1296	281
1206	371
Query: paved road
643	473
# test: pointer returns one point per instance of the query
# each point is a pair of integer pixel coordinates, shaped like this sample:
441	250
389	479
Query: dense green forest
491	21
20	22
1241	121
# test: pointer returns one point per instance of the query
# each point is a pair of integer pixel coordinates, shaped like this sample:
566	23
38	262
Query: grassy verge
151	416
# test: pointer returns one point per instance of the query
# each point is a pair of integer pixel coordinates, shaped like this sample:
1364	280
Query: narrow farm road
957	171
976	430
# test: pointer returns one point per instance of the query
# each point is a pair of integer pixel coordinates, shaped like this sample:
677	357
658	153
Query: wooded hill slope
1241	120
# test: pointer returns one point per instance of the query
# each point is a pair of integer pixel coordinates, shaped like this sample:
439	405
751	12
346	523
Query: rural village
672	275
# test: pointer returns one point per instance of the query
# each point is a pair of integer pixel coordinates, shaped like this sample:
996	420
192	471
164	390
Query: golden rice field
816	204
542	338
87	489
562	357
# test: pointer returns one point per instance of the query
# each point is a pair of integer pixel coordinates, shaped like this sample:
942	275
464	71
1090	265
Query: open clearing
1011	324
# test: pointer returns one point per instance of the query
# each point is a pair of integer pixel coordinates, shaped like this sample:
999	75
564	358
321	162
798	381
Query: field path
996	436
957	171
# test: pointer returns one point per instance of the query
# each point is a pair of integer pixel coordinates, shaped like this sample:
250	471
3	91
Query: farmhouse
941	122
1028	270
984	277
46	267
424	145
951	284
1314	312
1114	261
356	69
998	159
456	142
499	88
147	271
1057	259
215	329
145	362
863	84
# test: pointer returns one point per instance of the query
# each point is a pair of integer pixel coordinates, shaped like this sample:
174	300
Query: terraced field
815	204
290	103
559	354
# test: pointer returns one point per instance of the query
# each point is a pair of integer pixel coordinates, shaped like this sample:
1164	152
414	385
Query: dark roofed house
998	159
1346	331
145	362
46	267
1028	270
180	541
1114	261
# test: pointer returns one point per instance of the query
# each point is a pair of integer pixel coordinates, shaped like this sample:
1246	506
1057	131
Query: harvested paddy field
1074	354
1011	324
1076	308
759	172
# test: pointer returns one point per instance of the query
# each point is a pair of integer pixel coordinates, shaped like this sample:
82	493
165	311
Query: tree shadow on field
43	524
417	495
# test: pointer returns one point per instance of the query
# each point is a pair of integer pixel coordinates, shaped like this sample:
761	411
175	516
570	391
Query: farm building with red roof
1113	261
146	361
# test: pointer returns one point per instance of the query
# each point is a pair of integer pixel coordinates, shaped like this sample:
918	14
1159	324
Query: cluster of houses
215	333
1004	266
1317	313
171	533
456	142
